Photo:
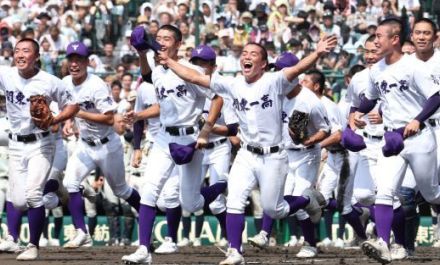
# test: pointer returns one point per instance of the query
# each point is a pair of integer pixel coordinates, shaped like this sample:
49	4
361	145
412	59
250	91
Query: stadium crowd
105	27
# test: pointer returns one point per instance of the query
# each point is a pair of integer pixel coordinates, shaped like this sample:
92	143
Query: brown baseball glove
40	112
298	126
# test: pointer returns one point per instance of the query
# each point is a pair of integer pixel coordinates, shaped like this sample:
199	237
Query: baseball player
257	99
337	165
303	157
31	147
409	97
181	105
99	146
423	36
217	153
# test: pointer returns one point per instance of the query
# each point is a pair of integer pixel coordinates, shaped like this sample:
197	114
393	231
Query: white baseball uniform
99	146
29	146
303	160
363	164
432	64
58	166
4	157
262	159
169	196
217	155
403	88
181	105
331	171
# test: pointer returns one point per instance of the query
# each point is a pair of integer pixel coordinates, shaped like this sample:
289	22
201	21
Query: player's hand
129	117
374	117
202	139
326	44
163	57
358	121
68	128
137	158
411	128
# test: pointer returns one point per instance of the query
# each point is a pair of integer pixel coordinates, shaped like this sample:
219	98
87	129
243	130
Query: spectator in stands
208	12
109	59
6	53
183	12
188	39
127	82
48	55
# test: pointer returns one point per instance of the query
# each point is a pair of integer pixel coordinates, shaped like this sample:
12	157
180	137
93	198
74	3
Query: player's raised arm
325	45
184	72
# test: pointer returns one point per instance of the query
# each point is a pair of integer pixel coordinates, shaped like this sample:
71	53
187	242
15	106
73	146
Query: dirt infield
211	255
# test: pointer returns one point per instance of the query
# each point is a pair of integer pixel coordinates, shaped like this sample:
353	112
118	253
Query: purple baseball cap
286	59
182	154
77	48
203	52
393	142
352	141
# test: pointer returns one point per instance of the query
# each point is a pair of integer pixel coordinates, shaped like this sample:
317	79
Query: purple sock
331	205
235	227
308	229
267	224
221	218
134	200
355	222
398	226
36	217
296	203
173	220
384	217
211	193
76	208
51	185
13	216
147	214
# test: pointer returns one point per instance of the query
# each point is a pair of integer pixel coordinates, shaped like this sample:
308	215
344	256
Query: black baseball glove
298	126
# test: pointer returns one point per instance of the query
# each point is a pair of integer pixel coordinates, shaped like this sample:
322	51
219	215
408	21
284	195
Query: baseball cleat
29	253
307	251
8	245
223	242
167	247
317	202
398	252
185	242
233	257
197	242
260	240
53	242
292	242
140	256
377	249
325	243
436	243
81	239
339	243
43	241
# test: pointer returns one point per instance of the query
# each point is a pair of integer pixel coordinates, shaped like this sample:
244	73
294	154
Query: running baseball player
304	157
216	158
177	142
99	146
31	147
409	97
257	99
423	36
363	164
